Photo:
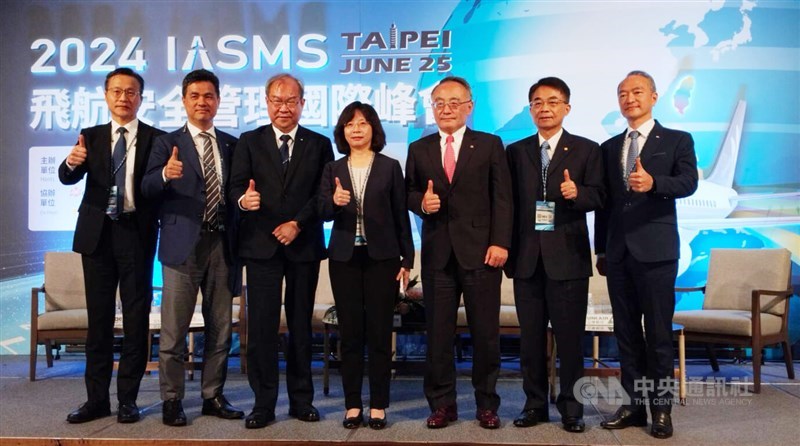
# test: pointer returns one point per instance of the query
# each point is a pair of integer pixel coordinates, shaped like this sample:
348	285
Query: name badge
113	200
545	215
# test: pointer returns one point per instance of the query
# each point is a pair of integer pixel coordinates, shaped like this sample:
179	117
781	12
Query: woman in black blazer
370	251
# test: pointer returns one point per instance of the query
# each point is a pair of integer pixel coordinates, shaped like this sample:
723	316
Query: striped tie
213	193
633	153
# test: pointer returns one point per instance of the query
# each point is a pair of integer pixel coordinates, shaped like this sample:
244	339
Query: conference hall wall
728	72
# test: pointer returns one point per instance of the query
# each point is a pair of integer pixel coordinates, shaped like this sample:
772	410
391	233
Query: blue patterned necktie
545	163
118	170
633	153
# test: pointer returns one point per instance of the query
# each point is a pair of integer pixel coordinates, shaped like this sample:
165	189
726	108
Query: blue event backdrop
727	71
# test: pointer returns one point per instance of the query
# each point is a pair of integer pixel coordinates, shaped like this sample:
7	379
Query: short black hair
200	75
552	82
371	116
125	72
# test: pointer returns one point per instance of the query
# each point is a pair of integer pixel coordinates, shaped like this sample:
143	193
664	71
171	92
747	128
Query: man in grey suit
197	248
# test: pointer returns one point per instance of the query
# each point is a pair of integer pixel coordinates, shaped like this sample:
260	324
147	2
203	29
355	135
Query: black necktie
118	170
211	179
284	149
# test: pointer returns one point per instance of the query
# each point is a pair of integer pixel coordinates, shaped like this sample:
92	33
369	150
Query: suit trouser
264	283
206	270
563	303
646	358
365	291
442	290
120	259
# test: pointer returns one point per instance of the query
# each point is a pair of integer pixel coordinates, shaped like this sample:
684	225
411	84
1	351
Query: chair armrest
755	308
690	289
35	307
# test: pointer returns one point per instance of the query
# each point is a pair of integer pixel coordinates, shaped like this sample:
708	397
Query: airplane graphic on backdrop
715	199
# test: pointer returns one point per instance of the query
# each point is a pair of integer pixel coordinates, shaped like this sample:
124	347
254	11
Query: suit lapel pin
471	146
566	148
658	136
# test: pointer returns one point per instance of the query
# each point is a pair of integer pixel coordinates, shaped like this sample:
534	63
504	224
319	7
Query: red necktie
449	158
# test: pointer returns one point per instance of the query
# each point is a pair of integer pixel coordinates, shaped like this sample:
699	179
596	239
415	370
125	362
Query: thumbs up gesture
77	155
341	197
251	200
174	168
430	201
640	180
569	190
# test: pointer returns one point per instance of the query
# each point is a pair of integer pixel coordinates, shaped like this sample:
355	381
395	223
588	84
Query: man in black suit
275	179
116	236
197	249
458	183
636	241
557	178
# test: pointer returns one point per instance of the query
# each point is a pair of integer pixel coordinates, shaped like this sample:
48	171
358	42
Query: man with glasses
557	178
116	237
189	172
275	180
458	183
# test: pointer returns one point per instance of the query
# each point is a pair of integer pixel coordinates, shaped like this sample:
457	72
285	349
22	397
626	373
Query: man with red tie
458	182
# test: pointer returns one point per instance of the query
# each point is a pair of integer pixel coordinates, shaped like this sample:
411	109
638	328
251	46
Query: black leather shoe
128	412
573	424
88	412
309	413
530	417
258	419
377	423
220	407
662	425
353	422
172	413
625	418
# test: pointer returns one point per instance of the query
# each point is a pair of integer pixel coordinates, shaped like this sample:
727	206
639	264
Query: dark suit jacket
386	223
295	198
476	209
183	201
646	223
565	250
97	168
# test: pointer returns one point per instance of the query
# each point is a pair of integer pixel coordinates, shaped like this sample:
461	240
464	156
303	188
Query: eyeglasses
279	103
552	103
453	104
117	92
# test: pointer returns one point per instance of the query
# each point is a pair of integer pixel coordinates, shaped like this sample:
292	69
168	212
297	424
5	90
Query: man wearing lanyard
557	177
116	237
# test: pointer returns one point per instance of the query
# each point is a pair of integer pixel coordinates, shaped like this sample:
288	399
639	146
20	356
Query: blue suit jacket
646	224
183	201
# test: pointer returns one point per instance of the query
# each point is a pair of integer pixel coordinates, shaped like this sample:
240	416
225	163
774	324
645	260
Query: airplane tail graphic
724	168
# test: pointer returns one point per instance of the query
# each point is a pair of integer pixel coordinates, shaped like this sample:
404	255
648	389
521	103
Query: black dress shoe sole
574	428
80	420
128	419
226	415
174	423
377	423
661	435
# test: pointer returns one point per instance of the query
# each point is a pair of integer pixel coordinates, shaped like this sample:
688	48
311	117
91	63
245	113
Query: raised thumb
252	187
430	187
566	175
174	153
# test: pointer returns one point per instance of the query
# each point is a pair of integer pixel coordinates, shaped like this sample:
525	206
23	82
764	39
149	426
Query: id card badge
113	199
545	215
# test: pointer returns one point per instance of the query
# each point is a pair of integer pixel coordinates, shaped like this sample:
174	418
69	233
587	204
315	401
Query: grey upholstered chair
746	304
64	318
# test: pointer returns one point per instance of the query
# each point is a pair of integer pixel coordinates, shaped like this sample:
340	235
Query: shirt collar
458	135
194	130
292	133
644	129
553	140
131	127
